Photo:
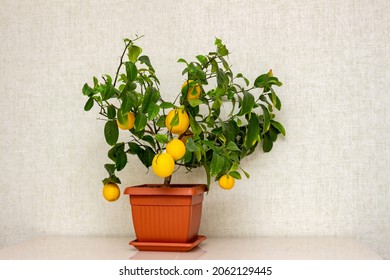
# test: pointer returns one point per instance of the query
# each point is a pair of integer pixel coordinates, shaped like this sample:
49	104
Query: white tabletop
117	248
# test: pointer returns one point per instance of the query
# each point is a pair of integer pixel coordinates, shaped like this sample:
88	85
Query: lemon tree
219	117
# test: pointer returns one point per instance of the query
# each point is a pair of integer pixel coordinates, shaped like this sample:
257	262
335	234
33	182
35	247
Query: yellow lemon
184	121
190	94
176	149
111	192
226	182
163	165
129	124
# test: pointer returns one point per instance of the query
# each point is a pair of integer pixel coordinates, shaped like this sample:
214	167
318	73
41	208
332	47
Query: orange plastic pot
166	214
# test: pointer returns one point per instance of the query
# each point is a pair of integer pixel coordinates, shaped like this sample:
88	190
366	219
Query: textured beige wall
329	177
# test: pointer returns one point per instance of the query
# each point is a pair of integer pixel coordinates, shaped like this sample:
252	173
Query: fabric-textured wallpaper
327	177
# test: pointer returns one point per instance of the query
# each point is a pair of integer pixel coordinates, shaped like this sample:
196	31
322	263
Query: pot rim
173	189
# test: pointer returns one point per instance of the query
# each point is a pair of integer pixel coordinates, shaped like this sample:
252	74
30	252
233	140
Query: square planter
166	218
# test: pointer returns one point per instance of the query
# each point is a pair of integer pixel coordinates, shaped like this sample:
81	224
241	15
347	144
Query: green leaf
127	102
153	111
182	60
121	161
87	90
246	173
247	103
191	146
222	79
167	105
231	146
267	143
239	75
145	59
134	148
123	117
115	150
151	96
214	66
110	168
208	175
140	122
133	53
217	164
162	138
150	140
278	104
195	102
267	119
221	48
111	112
265	81
131	71
195	127
279	127
111	179
175	120
109	92
111	132
146	156
202	59
273	133
95	82
161	121
235	175
252	134
88	106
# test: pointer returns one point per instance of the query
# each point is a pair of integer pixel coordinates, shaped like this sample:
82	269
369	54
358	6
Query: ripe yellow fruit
226	182
176	149
163	165
111	192
129	124
184	121
190	94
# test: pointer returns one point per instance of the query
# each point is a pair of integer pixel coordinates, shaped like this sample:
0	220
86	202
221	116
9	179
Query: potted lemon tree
217	119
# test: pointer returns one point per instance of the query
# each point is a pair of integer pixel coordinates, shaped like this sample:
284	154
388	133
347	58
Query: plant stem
167	180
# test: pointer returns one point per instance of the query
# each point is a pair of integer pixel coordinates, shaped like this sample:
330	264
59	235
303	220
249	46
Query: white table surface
117	248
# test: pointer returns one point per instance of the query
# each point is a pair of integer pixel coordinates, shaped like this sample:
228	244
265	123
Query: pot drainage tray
166	246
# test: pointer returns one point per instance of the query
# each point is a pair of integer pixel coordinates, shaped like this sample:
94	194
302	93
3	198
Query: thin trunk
167	180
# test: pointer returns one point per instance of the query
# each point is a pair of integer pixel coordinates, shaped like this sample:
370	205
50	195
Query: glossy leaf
191	146
121	161
267	143
133	53
87	90
279	127
153	111
266	119
217	164
151	96
145	59
252	135
111	112
235	175
140	122
88	106
162	138
231	146
131	71
111	132
167	105
247	103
